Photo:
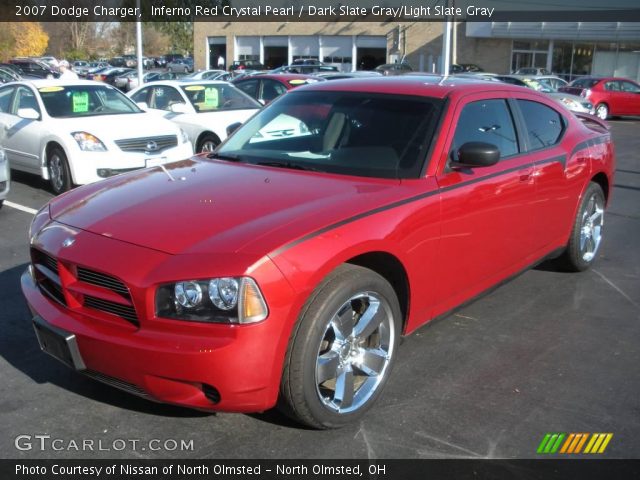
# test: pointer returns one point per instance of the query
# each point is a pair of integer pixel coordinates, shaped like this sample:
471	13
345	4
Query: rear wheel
586	235
342	351
602	111
59	175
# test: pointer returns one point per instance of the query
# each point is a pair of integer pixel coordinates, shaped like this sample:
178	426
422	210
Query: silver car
5	176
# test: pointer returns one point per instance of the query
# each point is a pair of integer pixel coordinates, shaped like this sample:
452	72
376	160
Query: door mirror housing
178	108
28	114
476	154
233	127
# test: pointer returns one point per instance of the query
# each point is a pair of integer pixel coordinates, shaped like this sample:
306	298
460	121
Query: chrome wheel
355	352
56	172
208	146
602	111
591	227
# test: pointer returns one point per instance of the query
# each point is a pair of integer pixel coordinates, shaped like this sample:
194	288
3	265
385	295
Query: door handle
525	175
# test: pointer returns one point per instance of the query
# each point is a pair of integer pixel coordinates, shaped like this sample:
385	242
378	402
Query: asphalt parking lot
548	352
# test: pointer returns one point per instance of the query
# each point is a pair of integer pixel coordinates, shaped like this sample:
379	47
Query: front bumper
89	167
182	369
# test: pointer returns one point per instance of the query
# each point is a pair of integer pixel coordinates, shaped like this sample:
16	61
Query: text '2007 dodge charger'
283	269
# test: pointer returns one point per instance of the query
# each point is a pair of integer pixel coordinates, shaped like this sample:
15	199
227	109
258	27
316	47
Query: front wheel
587	231
207	143
342	351
602	111
59	175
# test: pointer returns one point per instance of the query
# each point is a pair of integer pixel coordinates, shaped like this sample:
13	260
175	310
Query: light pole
139	46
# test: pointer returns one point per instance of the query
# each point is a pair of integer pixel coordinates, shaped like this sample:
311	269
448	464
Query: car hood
203	206
115	127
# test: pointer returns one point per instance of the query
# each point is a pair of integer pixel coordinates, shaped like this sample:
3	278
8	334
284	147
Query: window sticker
80	102
211	97
50	89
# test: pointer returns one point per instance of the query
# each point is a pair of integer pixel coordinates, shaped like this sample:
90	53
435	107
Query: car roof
284	77
420	85
181	83
42	83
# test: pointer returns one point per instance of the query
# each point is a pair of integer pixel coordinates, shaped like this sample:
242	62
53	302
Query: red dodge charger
283	270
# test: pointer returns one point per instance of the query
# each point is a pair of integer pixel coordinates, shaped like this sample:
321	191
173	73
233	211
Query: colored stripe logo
573	443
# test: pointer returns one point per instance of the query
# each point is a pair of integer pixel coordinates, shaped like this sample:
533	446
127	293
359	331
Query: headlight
217	300
570	103
184	138
88	142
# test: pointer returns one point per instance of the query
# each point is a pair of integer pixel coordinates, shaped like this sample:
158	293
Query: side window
5	99
272	89
141	96
544	125
630	87
612	86
163	97
25	98
250	87
487	121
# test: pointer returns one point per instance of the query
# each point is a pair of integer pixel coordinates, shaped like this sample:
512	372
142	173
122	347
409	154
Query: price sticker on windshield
211	97
80	102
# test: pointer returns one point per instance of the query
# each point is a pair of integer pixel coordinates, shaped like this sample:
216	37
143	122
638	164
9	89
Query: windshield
85	100
351	133
217	97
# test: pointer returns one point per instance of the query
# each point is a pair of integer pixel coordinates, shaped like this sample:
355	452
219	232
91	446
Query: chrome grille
125	311
117	383
103	280
145	144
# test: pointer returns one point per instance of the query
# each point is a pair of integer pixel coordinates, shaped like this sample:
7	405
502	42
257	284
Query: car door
22	136
559	177
614	97
631	97
487	213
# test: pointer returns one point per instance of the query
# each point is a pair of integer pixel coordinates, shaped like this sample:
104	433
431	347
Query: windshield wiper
221	156
293	166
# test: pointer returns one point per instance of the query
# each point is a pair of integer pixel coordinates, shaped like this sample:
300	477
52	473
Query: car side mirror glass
28	114
178	108
476	154
233	127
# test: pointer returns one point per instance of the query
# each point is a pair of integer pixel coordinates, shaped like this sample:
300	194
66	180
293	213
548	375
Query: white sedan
5	177
76	132
205	110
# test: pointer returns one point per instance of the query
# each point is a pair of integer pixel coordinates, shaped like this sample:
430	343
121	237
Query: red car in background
265	88
283	270
611	96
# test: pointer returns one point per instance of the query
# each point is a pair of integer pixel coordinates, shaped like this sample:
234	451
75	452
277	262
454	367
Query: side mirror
233	127
262	101
178	108
28	114
142	105
476	154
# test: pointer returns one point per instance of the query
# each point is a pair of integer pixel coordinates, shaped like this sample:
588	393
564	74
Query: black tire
586	234
207	143
1	203
59	174
311	392
602	111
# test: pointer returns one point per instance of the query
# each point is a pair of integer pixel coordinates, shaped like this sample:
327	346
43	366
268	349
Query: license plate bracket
61	345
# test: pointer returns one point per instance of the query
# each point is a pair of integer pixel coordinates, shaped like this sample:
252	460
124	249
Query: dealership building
569	49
